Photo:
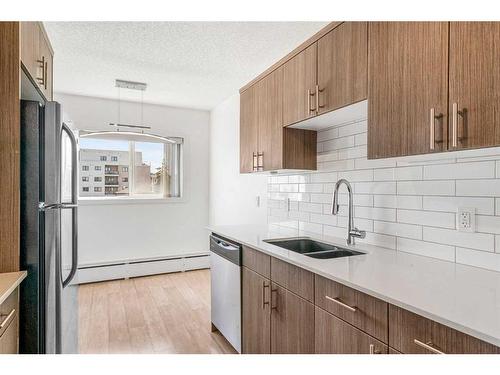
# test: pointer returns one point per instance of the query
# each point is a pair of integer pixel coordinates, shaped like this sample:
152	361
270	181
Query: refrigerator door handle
73	205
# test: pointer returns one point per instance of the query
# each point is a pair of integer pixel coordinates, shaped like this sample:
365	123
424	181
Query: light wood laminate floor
167	313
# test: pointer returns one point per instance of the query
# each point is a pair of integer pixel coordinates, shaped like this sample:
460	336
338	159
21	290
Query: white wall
232	195
406	204
111	232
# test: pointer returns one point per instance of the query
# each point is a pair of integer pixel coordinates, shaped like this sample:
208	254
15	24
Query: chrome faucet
352	231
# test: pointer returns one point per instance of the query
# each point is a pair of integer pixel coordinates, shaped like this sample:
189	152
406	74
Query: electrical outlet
466	219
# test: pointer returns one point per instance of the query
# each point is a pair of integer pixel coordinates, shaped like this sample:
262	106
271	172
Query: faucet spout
352	231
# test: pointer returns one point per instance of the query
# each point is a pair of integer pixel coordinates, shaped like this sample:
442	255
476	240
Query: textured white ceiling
186	64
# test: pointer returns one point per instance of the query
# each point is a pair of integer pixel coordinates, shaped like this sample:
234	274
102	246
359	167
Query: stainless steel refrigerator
49	244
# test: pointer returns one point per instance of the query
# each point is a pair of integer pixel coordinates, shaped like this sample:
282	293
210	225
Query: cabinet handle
432	126
318	90
41	63
273	306
254	164
429	346
373	350
46	68
454	125
7	319
264	303
309	94
340	303
260	161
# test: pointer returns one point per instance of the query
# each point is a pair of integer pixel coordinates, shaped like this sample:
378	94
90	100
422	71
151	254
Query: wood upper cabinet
37	56
474	80
299	86
255	314
248	131
408	81
343	66
292	323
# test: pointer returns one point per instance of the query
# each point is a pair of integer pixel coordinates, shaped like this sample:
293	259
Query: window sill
101	201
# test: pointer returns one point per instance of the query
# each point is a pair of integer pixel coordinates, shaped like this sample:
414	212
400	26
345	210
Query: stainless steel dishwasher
225	274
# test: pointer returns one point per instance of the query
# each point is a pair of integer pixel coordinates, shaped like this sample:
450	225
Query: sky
152	153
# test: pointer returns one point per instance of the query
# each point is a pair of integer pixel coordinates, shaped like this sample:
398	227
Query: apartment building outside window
135	166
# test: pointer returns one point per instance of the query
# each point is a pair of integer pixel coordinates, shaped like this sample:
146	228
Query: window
97	189
144	166
104	158
85	189
85	179
85	167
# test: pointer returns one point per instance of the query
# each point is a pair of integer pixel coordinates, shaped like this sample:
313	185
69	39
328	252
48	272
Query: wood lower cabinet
292	323
410	333
407	83
474	80
334	336
9	324
256	323
342	66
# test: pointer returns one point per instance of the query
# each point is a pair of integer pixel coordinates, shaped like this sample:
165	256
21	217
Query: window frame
183	182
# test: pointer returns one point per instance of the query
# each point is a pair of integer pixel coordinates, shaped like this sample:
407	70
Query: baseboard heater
136	268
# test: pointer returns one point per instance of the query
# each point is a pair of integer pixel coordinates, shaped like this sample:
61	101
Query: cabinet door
334	336
474	84
299	85
292	323
9	342
47	59
255	313
30	52
269	103
408	80
248	131
343	66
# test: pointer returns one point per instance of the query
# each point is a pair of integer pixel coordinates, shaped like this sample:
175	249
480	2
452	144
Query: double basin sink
312	248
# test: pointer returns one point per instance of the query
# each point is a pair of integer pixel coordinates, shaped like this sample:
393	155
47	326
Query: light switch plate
466	219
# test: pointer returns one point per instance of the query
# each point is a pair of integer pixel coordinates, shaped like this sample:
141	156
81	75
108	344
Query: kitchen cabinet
342	66
256	324
37	56
299	86
410	333
474	84
407	88
9	324
264	144
334	336
292	323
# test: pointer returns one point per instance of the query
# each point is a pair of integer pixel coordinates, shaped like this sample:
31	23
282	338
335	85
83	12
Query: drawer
257	261
334	336
410	333
8	310
9	342
293	278
365	312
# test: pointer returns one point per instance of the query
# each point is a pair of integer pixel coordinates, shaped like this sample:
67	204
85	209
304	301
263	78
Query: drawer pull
7	319
339	302
429	346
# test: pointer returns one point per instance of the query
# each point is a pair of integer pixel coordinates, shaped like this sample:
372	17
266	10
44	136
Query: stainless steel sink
312	248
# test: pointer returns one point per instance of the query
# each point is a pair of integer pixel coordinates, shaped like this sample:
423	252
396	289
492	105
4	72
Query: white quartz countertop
9	282
462	297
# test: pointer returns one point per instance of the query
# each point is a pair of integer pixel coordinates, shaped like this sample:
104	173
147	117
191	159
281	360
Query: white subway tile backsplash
478	241
398	229
481	259
427	249
406	203
426	187
484	206
479	188
434	219
459	171
375	187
